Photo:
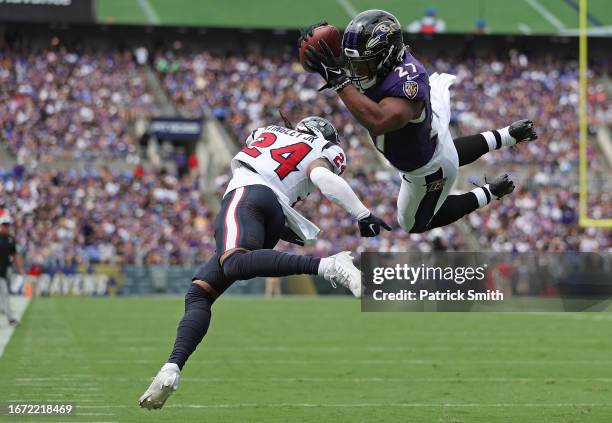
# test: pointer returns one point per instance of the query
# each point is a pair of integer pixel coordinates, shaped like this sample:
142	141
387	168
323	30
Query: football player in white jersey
278	167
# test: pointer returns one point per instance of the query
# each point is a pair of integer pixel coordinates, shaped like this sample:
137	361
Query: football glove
523	130
289	235
306	33
330	67
500	186
370	226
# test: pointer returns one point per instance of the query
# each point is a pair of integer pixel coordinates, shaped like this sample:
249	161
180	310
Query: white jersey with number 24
281	156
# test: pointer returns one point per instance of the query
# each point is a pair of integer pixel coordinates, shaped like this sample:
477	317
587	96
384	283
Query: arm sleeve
12	247
338	190
336	156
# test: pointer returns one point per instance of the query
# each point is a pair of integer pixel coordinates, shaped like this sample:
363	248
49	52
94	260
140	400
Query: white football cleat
164	384
344	272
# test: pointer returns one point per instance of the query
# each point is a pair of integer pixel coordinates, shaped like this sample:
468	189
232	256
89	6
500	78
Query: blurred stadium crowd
58	103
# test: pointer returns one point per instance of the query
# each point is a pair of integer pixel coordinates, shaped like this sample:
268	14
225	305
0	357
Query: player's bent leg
339	268
208	283
453	209
242	265
192	328
457	206
251	224
194	324
472	147
422	192
420	198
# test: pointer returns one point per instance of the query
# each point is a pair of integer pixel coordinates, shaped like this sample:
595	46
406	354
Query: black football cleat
14	322
501	186
523	130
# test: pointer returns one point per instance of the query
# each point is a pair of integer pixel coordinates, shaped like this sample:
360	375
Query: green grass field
520	16
312	360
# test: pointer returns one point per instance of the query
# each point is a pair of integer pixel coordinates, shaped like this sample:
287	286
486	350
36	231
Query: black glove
289	236
306	33
370	226
523	130
330	67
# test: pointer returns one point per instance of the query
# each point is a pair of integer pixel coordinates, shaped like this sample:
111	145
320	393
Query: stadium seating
74	217
73	104
79	105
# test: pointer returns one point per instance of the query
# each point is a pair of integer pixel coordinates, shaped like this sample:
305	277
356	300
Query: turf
312	360
502	16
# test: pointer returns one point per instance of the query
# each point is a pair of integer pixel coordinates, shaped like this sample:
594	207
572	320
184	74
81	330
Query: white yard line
93	414
54	378
148	11
546	14
348	8
442	360
106	406
399	380
595	31
51	384
597	317
19	305
87	392
450	343
382	349
378	379
399	405
76	388
60	398
370	405
71	421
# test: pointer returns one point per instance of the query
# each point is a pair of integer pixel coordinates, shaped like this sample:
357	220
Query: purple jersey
411	146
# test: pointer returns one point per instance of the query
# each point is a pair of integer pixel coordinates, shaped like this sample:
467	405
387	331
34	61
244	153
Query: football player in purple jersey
407	113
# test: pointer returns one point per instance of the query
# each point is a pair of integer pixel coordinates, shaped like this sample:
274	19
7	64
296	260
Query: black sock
193	326
470	148
453	209
244	265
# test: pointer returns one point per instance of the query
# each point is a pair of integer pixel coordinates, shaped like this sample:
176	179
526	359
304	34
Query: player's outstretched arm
339	191
389	114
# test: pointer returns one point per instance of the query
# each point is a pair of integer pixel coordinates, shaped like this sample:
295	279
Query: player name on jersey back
290	132
281	156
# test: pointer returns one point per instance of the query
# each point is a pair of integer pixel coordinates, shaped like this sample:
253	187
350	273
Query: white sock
507	139
498	138
483	195
326	263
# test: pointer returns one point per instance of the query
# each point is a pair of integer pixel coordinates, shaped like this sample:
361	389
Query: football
327	33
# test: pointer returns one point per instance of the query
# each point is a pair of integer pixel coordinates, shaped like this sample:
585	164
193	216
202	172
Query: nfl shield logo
411	88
